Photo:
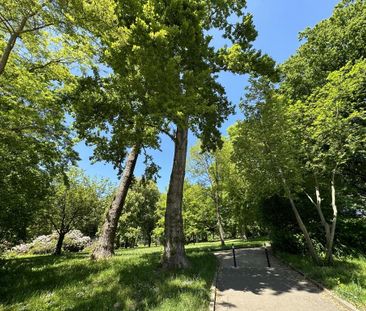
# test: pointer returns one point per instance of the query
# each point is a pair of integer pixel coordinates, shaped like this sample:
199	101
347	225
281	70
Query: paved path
255	287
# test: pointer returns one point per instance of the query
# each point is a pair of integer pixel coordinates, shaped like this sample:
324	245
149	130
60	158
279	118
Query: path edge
213	288
341	301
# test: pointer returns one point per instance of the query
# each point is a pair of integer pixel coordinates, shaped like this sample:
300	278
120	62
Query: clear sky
278	23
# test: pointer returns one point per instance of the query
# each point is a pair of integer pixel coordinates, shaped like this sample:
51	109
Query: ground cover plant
346	277
131	280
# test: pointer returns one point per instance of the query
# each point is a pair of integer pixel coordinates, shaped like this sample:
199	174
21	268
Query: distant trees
139	217
199	213
209	169
77	202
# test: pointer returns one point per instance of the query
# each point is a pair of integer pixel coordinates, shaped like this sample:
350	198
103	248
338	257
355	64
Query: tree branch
7	24
310	198
35	28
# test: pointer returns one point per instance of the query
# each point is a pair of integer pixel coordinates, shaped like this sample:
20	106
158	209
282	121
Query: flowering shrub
74	241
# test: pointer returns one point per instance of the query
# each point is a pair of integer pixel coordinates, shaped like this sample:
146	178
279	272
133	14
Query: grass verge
131	280
346	278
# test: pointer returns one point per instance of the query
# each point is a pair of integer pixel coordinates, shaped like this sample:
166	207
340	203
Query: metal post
233	248
266	251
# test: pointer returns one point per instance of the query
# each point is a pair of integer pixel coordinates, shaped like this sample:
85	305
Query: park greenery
119	75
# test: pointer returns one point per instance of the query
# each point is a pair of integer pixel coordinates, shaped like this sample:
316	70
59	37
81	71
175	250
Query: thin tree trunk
174	254
60	241
302	226
149	240
217	203
10	44
219	221
318	207
105	244
329	256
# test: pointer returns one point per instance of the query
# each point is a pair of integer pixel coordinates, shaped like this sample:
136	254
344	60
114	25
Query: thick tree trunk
174	254
60	241
105	244
302	226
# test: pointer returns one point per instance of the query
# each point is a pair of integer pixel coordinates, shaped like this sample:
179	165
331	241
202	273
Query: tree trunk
105	244
174	254
217	203
10	44
302	226
149	240
329	256
219	220
60	241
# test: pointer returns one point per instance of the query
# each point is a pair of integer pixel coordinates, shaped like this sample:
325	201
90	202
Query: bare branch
310	198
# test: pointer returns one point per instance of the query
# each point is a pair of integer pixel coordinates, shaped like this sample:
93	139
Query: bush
4	246
74	241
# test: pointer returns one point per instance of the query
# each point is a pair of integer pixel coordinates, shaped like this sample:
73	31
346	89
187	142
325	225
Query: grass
347	277
131	280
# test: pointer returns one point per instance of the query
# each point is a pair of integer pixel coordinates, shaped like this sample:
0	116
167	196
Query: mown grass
131	280
347	277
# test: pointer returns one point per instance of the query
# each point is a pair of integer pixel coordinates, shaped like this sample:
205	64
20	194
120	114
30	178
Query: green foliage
223	183
139	216
329	46
77	202
307	138
199	217
42	45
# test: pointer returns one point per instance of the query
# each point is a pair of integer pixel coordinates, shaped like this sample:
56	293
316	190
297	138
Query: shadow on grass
121	283
347	276
22	277
343	271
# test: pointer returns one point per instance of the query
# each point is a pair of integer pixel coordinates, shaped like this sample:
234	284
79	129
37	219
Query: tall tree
331	129
162	54
266	150
111	117
207	168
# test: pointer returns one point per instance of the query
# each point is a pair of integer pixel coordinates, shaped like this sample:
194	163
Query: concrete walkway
255	287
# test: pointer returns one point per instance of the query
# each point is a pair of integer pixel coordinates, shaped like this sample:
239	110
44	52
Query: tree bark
105	244
174	254
10	44
219	219
329	256
217	203
60	241
149	240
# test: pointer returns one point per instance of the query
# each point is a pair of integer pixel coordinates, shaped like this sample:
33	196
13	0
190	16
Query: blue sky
278	24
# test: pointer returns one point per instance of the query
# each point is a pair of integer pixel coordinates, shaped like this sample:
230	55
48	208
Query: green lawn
132	280
347	277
